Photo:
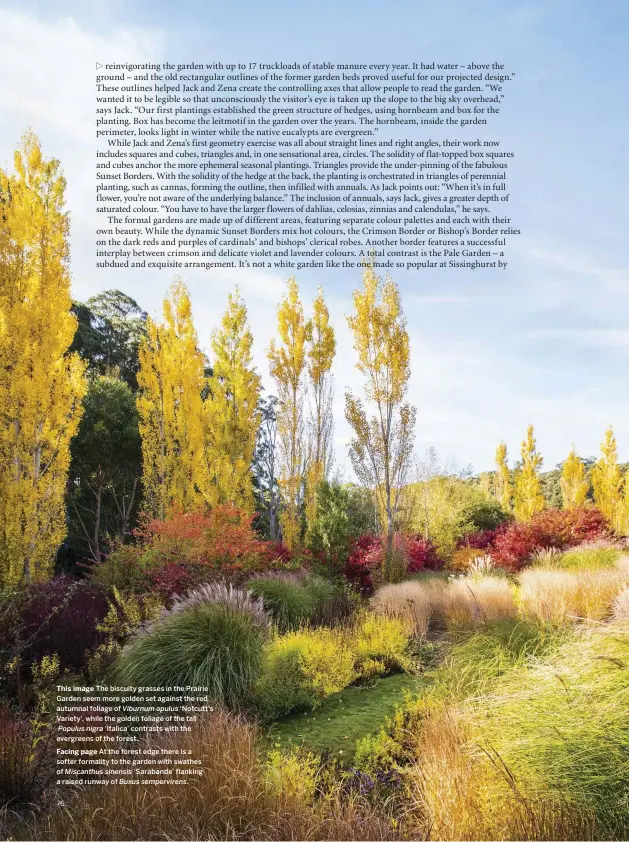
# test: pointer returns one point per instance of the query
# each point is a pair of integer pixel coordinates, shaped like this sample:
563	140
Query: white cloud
615	280
591	337
52	71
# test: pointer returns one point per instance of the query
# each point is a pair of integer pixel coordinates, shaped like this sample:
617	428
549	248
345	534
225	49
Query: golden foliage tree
607	481
171	380
320	356
230	411
573	482
503	489
382	446
528	498
288	362
41	385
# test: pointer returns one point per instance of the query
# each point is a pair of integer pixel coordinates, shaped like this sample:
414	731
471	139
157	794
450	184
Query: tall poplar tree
528	499
231	415
41	384
503	489
607	482
321	350
171	380
573	483
382	446
288	362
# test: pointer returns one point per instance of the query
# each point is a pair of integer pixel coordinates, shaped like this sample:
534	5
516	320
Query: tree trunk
96	533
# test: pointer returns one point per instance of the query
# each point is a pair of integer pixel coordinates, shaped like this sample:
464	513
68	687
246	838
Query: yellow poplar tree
288	361
321	350
607	481
41	385
528	498
171	380
231	418
573	483
382	446
503	489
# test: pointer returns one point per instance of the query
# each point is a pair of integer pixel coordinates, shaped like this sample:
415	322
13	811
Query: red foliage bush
360	562
276	552
222	536
482	540
422	554
61	616
367	557
514	543
174	578
185	550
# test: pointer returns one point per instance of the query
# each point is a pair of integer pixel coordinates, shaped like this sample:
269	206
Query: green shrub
484	514
212	638
122	569
285	597
376	753
381	639
301	669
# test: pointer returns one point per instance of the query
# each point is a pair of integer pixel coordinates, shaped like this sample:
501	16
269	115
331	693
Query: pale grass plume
482	565
465	601
621	605
559	597
623	563
407	600
474	600
545	556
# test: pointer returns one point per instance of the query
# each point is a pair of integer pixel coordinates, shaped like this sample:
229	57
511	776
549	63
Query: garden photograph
394	646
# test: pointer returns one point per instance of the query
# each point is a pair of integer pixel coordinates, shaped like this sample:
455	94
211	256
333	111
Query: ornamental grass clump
297	599
237	794
213	637
481	656
474	600
409	601
621	606
558	597
588	556
285	597
463	602
559	728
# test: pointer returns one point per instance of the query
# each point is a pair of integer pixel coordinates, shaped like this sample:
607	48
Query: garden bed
335	727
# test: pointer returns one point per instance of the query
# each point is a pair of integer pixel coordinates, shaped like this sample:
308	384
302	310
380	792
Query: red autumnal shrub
222	538
173	578
367	558
360	562
584	523
482	540
61	617
422	554
276	552
514	543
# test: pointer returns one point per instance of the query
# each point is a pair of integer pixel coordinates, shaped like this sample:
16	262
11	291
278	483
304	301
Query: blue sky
545	342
